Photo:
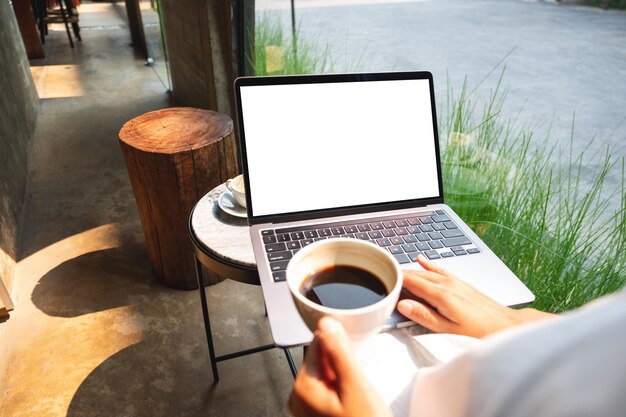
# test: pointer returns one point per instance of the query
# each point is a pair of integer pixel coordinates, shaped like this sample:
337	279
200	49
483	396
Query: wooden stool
175	156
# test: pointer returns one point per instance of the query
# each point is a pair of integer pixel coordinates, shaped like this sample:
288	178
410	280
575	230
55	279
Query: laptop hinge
321	214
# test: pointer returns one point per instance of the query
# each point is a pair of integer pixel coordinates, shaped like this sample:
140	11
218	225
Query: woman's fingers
311	395
348	393
424	274
423	285
424	315
336	347
431	266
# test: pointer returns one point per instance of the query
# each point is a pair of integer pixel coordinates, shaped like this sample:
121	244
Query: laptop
351	156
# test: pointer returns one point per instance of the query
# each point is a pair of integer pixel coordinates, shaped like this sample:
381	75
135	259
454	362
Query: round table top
223	235
175	129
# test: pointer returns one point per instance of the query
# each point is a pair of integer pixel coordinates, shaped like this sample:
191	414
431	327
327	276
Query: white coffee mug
237	187
359	322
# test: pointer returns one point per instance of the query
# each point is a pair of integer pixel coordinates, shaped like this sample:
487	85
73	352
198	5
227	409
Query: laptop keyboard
432	234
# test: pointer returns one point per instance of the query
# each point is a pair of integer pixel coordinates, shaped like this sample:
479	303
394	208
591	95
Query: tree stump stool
175	156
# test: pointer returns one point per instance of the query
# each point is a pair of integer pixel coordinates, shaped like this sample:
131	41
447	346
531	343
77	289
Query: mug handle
229	184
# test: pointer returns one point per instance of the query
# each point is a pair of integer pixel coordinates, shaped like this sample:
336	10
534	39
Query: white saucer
227	202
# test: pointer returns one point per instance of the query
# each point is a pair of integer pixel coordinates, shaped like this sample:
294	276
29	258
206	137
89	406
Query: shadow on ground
94	282
163	377
167	372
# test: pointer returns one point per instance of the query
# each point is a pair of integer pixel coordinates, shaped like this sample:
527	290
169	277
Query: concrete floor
92	333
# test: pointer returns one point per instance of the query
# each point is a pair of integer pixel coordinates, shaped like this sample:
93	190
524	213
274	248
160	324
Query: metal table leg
244	274
292	365
207	322
209	335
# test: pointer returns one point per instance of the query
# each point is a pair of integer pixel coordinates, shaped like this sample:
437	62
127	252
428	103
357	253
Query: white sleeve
570	366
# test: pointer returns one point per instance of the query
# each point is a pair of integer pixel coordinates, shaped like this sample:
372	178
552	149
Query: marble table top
222	234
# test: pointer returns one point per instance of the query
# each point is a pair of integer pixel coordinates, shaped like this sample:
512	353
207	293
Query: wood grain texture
176	129
174	157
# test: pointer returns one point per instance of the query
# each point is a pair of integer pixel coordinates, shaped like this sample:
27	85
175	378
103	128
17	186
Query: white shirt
574	365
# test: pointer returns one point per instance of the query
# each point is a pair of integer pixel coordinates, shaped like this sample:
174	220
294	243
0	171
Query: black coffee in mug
343	287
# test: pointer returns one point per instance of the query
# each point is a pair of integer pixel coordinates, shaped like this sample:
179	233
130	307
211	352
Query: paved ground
560	59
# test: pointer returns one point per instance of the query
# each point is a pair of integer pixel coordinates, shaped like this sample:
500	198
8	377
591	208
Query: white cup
359	322
238	188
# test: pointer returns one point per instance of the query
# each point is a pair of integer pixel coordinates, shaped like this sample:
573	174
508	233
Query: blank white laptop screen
332	145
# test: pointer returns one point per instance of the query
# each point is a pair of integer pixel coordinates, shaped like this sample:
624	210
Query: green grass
277	54
550	225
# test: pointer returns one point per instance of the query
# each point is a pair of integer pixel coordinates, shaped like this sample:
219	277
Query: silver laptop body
351	156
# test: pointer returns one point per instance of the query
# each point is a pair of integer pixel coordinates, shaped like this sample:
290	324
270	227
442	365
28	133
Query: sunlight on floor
57	81
75	349
75	345
5	299
95	7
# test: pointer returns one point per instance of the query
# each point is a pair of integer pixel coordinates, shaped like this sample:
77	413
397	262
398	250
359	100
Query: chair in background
57	11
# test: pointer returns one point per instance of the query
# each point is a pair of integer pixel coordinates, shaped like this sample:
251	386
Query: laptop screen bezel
332	78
